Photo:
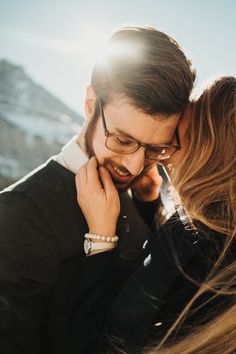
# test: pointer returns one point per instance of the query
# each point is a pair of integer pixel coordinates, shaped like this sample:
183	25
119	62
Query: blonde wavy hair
206	185
206	180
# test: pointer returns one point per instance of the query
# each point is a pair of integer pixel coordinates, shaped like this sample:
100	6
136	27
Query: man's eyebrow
121	132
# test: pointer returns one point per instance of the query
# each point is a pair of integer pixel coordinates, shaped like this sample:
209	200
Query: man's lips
119	175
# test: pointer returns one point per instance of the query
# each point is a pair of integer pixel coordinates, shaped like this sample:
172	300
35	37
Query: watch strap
90	246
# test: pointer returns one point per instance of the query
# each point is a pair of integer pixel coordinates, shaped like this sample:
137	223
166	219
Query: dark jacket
41	227
151	298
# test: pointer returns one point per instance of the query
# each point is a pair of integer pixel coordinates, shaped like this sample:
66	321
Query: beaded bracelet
101	237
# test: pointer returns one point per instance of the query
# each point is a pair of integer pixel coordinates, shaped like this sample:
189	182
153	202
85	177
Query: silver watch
92	246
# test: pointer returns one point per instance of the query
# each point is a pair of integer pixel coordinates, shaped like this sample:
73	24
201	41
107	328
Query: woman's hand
147	188
98	198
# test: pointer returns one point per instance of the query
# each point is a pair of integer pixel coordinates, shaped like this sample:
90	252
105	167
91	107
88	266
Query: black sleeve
27	274
148	210
89	287
107	314
134	309
154	295
111	306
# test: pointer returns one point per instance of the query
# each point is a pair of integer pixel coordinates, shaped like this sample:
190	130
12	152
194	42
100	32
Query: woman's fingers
93	179
147	188
97	198
82	175
88	175
106	180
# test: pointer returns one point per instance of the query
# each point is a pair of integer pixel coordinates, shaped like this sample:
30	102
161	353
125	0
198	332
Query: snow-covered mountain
34	124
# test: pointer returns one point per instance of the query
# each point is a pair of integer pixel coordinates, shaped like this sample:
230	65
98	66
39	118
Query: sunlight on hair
128	49
92	44
120	50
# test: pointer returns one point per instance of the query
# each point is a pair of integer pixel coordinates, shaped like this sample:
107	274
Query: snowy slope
33	109
34	124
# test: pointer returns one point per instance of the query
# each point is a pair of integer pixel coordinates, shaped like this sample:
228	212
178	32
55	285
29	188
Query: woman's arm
98	199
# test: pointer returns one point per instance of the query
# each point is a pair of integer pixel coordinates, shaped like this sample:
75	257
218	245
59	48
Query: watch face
87	246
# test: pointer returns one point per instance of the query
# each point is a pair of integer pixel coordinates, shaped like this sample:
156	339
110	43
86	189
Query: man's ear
90	99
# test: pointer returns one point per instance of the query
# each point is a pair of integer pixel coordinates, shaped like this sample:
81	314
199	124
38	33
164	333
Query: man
132	106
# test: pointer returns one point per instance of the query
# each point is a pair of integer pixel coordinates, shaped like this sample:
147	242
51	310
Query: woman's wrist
106	232
102	238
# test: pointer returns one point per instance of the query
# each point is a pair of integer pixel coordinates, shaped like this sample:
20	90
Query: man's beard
88	140
88	137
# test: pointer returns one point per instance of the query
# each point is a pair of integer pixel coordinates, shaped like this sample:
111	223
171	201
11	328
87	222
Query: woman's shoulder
180	235
175	234
177	226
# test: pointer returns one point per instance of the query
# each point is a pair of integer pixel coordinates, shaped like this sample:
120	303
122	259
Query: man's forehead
123	106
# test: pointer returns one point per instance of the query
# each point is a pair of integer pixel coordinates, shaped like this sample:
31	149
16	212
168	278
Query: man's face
126	120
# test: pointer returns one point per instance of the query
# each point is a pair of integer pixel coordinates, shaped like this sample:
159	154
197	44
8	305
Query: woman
211	199
184	280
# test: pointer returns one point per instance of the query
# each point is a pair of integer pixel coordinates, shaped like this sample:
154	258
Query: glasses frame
177	146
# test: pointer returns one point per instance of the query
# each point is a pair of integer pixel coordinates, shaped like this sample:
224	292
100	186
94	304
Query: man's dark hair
150	69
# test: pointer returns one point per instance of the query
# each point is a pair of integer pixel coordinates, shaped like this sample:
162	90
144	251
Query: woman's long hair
206	184
206	180
216	336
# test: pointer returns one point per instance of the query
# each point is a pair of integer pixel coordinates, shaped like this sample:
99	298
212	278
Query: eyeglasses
125	145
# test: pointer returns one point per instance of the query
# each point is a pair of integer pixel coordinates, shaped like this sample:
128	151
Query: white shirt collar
72	156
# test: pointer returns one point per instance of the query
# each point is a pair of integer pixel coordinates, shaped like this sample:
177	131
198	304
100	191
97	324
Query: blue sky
57	40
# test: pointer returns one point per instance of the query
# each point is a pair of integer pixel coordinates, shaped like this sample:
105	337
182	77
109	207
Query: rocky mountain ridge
34	124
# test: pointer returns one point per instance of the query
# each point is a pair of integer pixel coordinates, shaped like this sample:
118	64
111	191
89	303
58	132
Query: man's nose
134	162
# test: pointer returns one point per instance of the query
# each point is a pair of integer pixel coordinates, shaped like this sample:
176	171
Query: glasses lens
121	144
160	153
